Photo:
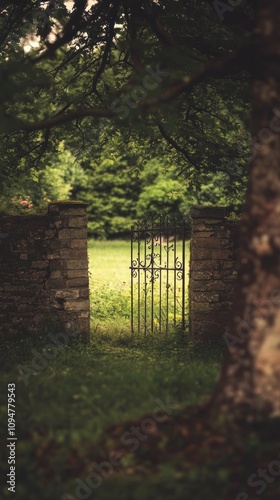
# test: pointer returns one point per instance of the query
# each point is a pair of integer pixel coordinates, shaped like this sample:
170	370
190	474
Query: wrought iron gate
158	274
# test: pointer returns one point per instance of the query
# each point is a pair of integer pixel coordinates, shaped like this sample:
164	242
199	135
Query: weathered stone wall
44	271
213	271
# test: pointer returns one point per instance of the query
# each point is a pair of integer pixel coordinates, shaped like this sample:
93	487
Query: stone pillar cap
69	203
54	206
207	212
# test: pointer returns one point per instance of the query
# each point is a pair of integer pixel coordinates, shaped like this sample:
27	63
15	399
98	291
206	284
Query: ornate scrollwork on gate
157	264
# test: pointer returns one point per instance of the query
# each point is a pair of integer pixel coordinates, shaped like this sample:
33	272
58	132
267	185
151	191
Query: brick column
213	271
68	284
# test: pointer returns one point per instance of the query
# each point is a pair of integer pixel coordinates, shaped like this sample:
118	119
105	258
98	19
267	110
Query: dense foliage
117	188
94	71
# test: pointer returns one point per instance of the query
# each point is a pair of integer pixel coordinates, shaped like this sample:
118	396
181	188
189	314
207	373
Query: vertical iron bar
131	283
152	278
145	287
139	283
184	272
175	255
160	273
167	275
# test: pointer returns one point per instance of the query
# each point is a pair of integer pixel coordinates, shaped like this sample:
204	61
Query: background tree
111	191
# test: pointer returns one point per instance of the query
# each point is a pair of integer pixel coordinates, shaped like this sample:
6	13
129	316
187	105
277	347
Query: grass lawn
109	263
67	401
65	408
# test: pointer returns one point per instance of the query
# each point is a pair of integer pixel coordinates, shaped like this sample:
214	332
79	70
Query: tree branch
60	119
174	144
69	31
161	33
233	62
132	37
108	45
237	16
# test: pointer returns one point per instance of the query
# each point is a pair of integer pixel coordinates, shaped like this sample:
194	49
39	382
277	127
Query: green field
110	284
109	263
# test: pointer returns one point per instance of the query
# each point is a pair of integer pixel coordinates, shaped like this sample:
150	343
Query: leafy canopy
122	71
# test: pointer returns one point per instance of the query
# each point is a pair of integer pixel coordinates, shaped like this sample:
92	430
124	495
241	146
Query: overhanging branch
108	45
60	119
233	62
174	144
69	31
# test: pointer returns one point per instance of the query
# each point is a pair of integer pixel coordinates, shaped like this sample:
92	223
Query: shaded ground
186	458
63	410
86	404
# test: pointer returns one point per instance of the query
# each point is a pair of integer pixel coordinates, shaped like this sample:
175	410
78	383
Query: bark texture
250	380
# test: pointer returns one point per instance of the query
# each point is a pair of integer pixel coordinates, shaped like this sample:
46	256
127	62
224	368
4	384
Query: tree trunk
250	379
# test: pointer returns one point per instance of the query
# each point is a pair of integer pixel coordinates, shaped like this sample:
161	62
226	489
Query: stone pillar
213	271
68	284
44	271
